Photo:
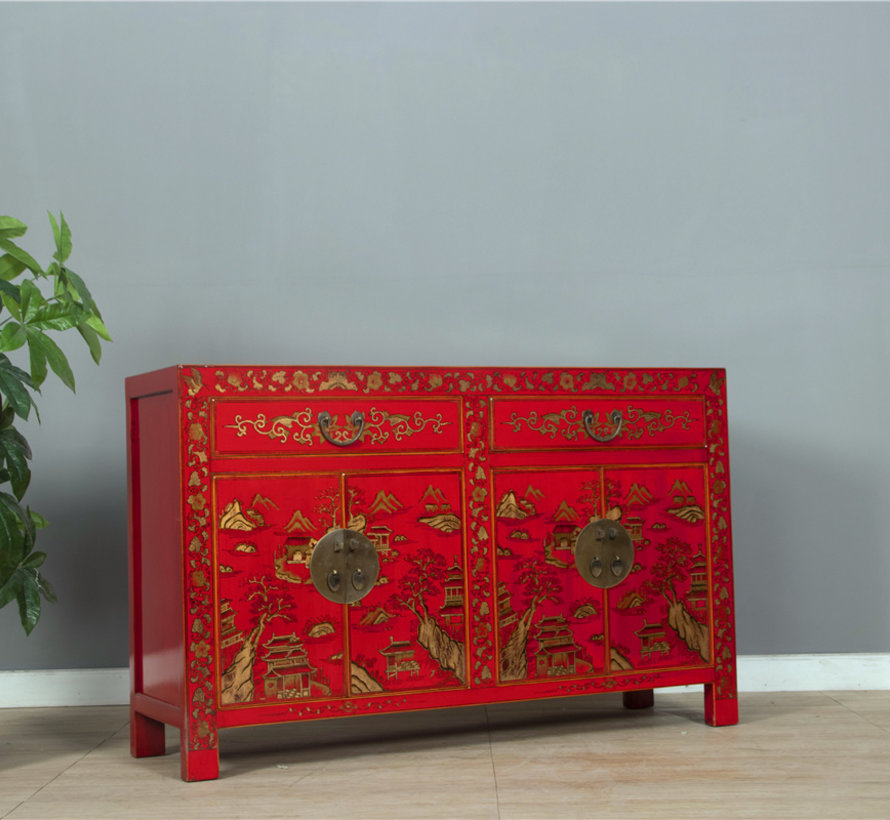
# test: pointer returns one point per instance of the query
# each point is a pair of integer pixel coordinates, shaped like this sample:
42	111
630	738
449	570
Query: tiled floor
806	755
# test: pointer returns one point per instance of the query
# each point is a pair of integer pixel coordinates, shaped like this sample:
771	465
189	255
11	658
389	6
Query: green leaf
37	519
36	358
62	237
21	375
12	537
34	560
7	416
43	349
92	340
12	386
11	304
14	450
32	300
10	227
80	289
12	439
9	504
10	267
96	324
8	562
13	336
57	234
29	601
22	255
10	589
46	588
10	290
57	316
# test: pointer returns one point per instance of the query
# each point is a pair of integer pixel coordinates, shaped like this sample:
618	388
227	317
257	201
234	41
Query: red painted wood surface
472	485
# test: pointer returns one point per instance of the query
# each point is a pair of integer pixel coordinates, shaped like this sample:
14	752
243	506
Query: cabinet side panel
157	554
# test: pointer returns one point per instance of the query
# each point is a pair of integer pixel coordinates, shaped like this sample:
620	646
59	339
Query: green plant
29	312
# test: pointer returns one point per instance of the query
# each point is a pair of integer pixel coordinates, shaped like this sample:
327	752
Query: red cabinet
532	533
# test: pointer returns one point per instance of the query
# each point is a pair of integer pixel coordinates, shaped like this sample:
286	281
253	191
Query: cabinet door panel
550	621
659	615
279	639
409	631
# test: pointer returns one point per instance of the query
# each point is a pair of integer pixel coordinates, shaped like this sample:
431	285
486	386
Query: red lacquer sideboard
311	542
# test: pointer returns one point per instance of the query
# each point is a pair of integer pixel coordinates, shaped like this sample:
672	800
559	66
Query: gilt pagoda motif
288	671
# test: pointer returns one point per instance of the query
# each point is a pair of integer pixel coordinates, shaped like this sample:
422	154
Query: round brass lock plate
344	566
604	553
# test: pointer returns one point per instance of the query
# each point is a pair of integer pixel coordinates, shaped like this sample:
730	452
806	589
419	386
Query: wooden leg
639	699
720	711
198	764
146	735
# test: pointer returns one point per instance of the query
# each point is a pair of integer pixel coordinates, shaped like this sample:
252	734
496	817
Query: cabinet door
409	631
659	615
550	621
278	638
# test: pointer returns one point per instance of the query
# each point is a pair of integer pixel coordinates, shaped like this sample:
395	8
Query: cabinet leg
639	699
146	735
720	711
198	764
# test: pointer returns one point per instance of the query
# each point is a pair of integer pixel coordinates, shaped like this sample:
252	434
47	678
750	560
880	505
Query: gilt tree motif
327	503
267	602
669	569
540	582
416	587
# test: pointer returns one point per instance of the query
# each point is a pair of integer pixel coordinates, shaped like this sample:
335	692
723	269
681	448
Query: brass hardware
344	566
589	419
357	419
604	553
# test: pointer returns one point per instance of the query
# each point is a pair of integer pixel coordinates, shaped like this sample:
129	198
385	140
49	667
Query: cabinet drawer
578	422
336	426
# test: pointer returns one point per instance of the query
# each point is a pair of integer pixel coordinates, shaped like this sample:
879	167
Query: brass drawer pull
357	419
589	419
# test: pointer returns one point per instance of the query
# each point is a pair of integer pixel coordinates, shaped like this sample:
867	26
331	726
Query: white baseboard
65	687
814	673
756	673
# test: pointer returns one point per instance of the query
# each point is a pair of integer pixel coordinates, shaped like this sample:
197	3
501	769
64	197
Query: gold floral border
242	380
201	723
721	539
479	545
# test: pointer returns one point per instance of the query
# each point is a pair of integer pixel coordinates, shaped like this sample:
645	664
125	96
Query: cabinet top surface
217	381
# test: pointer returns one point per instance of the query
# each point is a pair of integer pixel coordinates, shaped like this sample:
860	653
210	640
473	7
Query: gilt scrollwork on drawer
533	425
321	427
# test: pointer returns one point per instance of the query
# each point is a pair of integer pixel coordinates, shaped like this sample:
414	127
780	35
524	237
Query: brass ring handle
357	419
588	417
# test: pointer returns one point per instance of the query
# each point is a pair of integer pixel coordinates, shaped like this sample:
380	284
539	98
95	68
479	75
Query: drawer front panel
279	640
578	423
659	616
296	426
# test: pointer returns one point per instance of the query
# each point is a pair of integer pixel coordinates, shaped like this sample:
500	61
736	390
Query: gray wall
476	184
